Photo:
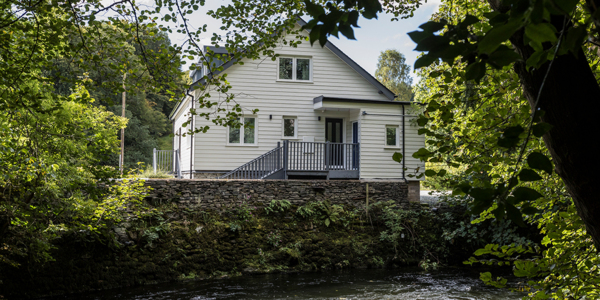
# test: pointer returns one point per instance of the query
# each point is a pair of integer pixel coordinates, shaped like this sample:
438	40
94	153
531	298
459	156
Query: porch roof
318	101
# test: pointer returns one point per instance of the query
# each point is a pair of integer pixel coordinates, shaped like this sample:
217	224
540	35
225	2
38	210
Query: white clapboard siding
375	158
255	86
179	118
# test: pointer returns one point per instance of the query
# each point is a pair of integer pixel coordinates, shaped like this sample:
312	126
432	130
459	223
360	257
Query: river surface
406	283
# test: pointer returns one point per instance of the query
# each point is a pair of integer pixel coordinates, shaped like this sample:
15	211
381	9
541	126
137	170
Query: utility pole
122	157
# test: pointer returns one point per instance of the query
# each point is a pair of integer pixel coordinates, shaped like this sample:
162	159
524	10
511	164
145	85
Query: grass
149	173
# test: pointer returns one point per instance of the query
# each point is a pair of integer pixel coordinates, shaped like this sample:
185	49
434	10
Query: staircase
267	166
330	160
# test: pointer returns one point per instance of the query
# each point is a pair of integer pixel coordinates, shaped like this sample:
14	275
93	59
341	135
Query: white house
319	115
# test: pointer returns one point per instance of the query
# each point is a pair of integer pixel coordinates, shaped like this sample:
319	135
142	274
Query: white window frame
294	64
295	118
397	127
241	143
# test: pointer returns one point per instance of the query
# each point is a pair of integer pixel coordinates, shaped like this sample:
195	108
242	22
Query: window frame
385	141
283	136
242	133
294	70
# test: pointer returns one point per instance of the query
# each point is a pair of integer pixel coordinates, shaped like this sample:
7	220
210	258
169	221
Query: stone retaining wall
217	194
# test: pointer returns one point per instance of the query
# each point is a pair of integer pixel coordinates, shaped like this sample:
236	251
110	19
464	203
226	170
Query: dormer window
294	69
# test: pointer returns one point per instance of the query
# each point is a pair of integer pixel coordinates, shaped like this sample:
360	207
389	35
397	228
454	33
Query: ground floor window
290	127
244	135
391	135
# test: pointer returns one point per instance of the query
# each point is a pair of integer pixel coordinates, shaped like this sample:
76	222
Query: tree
506	83
56	142
545	43
394	73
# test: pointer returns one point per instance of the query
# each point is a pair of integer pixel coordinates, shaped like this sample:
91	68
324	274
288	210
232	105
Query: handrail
260	167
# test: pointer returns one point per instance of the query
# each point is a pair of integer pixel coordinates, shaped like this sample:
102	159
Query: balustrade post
327	156
285	157
154	160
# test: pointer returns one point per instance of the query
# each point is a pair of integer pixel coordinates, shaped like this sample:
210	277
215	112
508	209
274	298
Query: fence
168	161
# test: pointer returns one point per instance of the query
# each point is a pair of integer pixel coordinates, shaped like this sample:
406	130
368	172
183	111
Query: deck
290	158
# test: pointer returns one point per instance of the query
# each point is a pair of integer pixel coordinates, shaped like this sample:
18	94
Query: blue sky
373	37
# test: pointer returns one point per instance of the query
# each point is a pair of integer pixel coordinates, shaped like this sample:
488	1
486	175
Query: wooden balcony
328	160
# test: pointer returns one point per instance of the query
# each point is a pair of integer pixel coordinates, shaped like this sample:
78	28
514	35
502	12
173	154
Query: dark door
334	135
355	146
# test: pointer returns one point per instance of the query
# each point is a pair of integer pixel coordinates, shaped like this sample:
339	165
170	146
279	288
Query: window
290	127
245	135
294	69
391	136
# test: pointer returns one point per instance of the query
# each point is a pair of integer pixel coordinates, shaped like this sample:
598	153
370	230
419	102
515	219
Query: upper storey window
294	69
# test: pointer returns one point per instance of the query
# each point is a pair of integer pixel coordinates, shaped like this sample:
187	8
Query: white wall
255	86
376	158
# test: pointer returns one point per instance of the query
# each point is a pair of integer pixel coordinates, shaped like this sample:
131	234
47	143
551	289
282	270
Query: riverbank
174	244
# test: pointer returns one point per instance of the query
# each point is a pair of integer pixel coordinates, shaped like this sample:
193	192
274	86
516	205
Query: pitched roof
345	58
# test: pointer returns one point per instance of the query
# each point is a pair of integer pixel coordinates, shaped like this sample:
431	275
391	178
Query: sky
373	37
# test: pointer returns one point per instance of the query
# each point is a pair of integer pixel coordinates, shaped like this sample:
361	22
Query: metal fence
168	161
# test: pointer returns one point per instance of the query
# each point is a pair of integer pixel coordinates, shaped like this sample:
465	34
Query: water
410	283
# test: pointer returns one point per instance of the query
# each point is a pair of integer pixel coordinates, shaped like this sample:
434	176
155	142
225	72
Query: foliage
485	117
394	73
274	238
149	173
277	206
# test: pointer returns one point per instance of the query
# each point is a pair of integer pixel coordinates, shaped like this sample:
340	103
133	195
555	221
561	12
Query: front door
334	134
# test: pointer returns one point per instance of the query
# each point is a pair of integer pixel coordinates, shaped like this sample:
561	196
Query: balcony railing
334	160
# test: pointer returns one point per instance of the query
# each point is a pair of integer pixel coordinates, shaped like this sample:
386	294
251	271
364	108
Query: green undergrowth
173	243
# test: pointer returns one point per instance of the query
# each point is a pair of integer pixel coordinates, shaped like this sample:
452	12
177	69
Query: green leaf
422	120
566	6
418	36
539	161
540	129
430	173
347	31
397	157
575	38
327	222
422	154
482	194
524	193
542	32
432	26
503	57
537	59
314	10
510	136
497	35
469	20
514	215
433	42
529	175
424	61
529	210
499	212
475	71
442	172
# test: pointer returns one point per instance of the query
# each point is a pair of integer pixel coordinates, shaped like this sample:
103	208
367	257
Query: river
406	283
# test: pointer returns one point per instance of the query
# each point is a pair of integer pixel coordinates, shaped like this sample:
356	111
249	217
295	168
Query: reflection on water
408	283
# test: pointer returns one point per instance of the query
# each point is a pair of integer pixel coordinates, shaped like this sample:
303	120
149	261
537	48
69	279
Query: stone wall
414	191
217	194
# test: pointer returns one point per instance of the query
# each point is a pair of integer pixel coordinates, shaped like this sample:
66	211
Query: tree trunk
570	100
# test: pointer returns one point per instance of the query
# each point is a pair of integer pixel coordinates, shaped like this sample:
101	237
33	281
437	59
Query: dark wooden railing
300	157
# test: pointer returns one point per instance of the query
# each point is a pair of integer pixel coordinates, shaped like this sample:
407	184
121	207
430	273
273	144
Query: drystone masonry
220	194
